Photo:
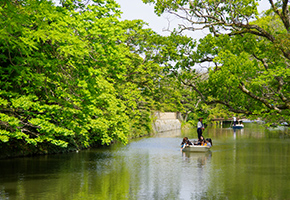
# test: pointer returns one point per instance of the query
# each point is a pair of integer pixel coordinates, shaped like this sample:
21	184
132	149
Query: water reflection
172	133
252	163
195	175
200	158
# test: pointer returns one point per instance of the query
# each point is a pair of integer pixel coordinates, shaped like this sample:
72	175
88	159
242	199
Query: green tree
248	54
53	68
74	75
149	71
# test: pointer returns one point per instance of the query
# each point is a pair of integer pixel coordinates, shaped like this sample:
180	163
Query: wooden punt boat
196	148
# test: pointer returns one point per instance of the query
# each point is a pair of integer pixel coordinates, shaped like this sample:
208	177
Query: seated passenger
203	143
208	142
185	142
189	142
199	141
201	138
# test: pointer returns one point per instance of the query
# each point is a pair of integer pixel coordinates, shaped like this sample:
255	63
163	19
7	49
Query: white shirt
199	124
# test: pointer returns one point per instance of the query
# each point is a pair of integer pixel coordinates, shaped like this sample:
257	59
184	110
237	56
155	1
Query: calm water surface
252	163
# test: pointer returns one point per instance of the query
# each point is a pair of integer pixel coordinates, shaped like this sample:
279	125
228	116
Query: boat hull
196	148
238	127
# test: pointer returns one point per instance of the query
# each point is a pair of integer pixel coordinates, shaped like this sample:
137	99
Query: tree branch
264	101
284	16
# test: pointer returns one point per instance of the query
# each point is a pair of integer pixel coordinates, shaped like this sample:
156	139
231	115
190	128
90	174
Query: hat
200	118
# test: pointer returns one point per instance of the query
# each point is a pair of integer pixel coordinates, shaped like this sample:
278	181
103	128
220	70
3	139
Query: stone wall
166	121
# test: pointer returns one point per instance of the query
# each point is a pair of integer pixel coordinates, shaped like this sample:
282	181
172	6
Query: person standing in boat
235	121
200	128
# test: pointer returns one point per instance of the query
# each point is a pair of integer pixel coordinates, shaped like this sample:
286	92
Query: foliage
73	76
248	54
52	81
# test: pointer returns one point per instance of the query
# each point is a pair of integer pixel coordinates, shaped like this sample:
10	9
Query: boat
238	126
196	148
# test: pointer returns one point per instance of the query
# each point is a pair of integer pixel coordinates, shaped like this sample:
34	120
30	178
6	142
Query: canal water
252	163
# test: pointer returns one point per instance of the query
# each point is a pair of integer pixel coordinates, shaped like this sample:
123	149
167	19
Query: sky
136	9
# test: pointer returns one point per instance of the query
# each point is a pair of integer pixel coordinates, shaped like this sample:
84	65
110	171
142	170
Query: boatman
235	121
200	128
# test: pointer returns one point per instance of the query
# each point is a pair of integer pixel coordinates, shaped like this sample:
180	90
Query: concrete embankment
166	121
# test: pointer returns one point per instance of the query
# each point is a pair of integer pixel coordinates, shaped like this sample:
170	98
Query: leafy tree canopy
248	53
74	75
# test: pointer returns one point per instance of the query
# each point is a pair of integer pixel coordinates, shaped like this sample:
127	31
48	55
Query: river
252	163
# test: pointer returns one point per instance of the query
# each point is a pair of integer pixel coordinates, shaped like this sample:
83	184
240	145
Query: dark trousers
199	133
